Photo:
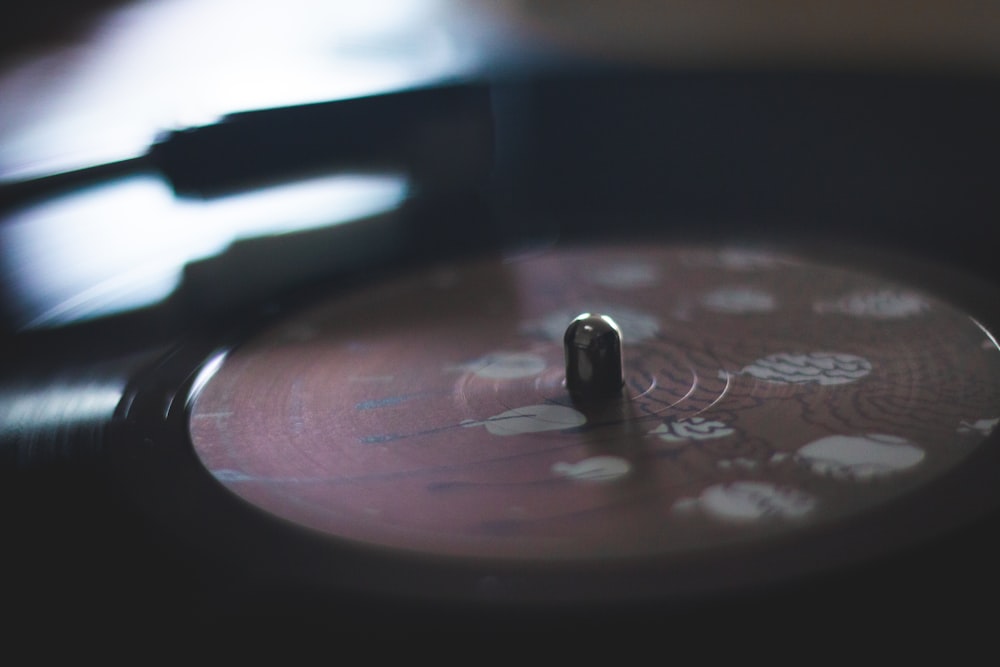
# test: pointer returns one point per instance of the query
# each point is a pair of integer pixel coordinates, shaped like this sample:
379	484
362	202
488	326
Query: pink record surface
764	394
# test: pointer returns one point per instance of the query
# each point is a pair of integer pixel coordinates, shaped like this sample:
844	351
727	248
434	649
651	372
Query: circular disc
764	395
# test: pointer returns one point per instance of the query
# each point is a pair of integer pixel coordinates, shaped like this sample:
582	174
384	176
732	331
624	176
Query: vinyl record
779	416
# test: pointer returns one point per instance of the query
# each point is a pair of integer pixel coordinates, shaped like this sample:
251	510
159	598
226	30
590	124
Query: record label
764	394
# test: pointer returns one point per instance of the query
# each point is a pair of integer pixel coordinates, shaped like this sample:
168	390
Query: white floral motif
981	426
531	419
860	458
739	300
594	469
825	368
747	501
695	428
880	304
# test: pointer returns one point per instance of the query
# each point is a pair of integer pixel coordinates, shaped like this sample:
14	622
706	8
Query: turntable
635	347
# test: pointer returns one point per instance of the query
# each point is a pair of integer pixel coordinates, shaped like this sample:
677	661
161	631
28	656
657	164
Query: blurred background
867	124
91	80
768	116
